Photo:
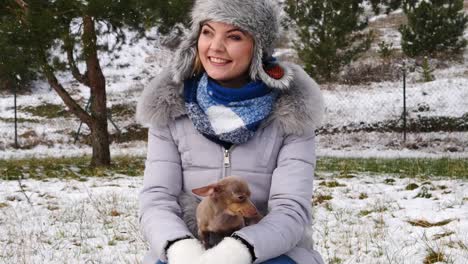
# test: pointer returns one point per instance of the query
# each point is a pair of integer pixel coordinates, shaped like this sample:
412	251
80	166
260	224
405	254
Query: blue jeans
283	259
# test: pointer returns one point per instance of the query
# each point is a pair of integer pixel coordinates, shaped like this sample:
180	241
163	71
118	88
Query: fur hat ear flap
184	60
256	62
274	74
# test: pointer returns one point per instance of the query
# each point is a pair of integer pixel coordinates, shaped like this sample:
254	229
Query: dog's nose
250	211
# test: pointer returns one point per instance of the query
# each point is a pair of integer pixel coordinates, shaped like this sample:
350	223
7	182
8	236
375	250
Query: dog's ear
208	190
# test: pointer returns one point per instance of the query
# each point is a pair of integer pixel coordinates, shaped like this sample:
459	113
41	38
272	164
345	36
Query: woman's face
225	52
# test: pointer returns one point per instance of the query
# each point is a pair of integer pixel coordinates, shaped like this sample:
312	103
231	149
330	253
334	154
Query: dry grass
320	198
363	196
434	257
331	184
365	72
390	21
441	235
426	224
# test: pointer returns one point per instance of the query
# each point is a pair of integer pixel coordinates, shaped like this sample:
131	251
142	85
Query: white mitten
228	251
184	251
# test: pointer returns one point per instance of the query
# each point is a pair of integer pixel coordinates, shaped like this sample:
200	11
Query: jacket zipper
227	161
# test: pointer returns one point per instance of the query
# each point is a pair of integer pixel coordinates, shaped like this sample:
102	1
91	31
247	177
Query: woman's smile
218	61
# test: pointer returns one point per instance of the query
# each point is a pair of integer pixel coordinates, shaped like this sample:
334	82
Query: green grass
123	110
19	120
68	168
411	186
332	184
78	167
412	168
46	110
320	198
364	212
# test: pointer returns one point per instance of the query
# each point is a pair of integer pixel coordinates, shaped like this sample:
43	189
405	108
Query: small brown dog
225	208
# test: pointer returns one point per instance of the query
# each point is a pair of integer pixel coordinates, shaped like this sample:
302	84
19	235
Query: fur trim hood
299	107
261	18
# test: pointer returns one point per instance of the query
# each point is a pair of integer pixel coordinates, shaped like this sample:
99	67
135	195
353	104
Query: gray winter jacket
278	163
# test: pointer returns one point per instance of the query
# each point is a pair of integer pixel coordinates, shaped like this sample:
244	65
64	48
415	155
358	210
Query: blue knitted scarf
227	114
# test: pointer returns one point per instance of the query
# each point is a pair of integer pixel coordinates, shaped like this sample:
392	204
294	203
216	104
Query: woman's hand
228	251
185	251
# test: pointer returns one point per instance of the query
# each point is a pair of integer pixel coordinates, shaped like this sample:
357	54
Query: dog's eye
241	198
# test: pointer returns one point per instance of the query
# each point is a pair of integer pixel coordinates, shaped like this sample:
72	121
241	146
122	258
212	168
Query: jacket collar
299	107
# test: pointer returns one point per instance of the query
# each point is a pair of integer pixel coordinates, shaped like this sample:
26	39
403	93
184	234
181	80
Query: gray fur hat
261	18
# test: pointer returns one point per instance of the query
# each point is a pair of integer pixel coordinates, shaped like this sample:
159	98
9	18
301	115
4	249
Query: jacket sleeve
160	213
289	202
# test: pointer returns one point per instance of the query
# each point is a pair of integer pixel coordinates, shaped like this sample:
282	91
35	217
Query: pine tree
16	70
427	71
434	26
385	51
73	26
393	5
375	4
329	34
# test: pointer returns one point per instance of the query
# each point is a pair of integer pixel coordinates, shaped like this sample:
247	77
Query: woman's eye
205	32
235	37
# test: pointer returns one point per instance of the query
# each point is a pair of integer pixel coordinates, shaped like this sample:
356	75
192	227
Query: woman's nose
217	44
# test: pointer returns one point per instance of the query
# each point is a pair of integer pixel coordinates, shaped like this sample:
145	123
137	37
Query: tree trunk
97	83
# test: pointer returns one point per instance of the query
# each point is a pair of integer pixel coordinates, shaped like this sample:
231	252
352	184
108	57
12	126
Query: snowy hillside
361	120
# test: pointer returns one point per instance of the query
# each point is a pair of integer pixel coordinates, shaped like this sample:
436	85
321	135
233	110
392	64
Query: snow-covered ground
369	220
366	219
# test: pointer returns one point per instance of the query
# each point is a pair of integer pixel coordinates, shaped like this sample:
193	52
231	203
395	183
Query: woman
226	107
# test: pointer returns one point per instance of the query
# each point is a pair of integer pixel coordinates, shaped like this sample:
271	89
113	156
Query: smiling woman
226	107
225	53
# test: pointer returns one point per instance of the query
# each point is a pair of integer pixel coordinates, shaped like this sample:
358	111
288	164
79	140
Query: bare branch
25	10
67	99
72	63
23	5
24	191
74	69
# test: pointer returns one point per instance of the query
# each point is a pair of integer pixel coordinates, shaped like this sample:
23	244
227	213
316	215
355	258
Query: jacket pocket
202	152
266	153
182	142
268	147
196	151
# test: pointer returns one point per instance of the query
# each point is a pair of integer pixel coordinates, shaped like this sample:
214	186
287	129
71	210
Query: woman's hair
197	65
